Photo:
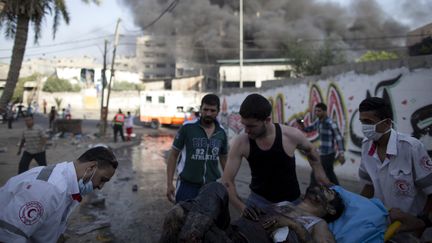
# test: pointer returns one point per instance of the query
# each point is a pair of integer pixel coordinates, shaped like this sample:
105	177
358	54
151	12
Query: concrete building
417	35
254	71
155	57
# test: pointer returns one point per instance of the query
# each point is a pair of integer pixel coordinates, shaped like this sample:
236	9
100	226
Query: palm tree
15	17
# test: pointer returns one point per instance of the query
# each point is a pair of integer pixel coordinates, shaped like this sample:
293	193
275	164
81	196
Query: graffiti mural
408	92
421	122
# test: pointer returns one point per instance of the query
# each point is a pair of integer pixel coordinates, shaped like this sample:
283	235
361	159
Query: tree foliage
308	60
377	56
124	86
54	84
422	48
15	19
18	94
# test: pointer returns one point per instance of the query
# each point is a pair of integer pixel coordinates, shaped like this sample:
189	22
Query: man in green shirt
197	149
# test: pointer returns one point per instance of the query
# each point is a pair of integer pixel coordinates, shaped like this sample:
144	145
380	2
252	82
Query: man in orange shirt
118	122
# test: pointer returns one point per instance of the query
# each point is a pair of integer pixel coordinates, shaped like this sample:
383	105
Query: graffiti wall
408	91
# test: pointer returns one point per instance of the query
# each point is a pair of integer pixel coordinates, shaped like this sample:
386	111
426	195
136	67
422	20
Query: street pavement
69	148
59	149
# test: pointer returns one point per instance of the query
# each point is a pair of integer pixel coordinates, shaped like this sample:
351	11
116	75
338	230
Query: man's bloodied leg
173	223
208	209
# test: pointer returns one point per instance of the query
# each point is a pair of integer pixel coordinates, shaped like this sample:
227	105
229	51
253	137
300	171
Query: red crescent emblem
31	212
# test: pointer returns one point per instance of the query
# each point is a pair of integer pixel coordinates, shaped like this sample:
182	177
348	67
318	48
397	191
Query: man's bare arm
312	156
281	220
321	233
171	165
230	172
223	160
21	145
367	191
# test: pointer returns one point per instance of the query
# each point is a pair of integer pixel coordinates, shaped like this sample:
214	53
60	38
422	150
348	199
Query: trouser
10	120
128	133
327	162
118	129
204	219
260	202
27	158
186	190
207	218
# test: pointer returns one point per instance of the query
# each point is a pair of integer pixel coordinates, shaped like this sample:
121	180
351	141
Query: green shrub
19	89
54	84
124	85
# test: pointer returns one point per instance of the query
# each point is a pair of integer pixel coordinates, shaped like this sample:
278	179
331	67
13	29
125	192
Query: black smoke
209	29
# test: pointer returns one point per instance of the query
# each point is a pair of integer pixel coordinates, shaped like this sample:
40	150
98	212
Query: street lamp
241	45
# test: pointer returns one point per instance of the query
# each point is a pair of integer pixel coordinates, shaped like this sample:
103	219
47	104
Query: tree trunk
16	60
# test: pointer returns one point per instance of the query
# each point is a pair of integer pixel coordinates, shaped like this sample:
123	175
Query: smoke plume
210	28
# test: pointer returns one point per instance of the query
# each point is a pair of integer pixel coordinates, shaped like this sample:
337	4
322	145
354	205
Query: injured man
206	219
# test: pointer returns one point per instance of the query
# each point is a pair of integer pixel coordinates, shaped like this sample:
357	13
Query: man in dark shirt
269	148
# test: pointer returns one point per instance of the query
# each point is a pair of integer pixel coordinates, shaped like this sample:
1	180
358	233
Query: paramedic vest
119	119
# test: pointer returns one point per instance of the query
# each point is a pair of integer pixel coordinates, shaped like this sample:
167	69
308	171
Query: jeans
327	162
27	158
186	190
260	202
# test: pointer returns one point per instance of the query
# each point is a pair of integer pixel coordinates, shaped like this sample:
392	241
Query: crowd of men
395	169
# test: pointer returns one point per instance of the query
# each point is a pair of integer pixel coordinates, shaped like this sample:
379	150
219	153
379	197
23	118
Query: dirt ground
133	216
132	206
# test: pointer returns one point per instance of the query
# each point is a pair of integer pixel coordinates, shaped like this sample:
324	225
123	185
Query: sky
90	25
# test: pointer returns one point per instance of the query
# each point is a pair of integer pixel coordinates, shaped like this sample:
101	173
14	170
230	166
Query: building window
149	54
282	73
161	99
148	99
160	65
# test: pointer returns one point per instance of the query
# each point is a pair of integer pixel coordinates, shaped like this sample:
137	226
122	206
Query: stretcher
391	230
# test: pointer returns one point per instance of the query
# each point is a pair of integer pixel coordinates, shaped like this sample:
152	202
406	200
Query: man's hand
252	212
170	193
321	178
341	158
408	222
279	221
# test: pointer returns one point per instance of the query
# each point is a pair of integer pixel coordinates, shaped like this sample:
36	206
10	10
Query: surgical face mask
369	131
86	188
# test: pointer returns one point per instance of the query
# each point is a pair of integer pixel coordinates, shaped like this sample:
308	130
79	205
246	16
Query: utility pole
241	45
116	40
103	121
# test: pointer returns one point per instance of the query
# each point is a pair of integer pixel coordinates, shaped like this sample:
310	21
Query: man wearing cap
36	204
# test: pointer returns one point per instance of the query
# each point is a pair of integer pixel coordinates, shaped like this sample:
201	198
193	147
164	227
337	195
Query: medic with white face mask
396	169
36	204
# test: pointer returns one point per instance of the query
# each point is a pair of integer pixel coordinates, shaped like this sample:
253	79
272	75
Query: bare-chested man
269	148
206	218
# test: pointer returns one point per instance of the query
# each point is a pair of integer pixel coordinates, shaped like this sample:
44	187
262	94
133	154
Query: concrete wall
408	89
86	104
257	73
188	83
